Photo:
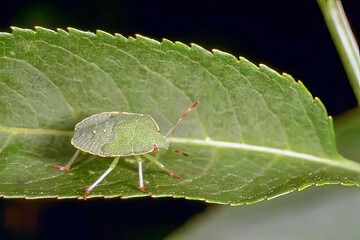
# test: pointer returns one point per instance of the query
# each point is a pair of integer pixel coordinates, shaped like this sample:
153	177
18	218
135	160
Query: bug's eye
155	147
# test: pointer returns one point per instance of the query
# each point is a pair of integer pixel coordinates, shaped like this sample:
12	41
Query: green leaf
255	135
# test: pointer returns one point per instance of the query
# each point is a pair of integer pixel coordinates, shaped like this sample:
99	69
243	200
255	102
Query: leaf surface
255	135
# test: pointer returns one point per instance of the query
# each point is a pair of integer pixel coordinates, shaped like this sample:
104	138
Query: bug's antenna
184	115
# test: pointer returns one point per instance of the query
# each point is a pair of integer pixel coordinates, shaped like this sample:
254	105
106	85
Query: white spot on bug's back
94	131
104	130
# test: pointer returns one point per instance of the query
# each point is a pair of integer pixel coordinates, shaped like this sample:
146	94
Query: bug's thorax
160	141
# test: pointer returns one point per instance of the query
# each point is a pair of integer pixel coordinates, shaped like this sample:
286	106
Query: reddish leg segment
67	166
177	151
154	160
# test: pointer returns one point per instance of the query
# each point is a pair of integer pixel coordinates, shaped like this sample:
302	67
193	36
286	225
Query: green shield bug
120	134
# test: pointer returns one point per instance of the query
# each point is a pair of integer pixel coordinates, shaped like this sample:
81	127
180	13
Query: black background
288	36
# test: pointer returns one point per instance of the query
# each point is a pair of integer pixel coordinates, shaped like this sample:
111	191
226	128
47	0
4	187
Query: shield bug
120	134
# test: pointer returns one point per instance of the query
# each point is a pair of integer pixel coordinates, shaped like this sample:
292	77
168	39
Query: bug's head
160	142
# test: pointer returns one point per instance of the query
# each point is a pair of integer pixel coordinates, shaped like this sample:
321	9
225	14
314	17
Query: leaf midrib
36	131
344	163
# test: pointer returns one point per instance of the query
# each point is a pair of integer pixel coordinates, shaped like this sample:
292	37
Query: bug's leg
67	166
154	160
177	151
141	182
112	166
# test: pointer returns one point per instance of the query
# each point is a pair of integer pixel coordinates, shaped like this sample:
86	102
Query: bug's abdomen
91	133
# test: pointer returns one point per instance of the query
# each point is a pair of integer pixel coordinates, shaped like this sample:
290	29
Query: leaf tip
62	32
15	29
200	49
304	88
77	32
182	45
245	61
42	28
146	39
120	37
167	41
101	32
316	99
264	68
224	55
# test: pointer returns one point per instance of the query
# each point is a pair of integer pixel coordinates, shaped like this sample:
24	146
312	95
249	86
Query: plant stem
344	40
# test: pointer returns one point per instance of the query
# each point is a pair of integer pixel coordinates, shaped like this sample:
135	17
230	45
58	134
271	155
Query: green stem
344	40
